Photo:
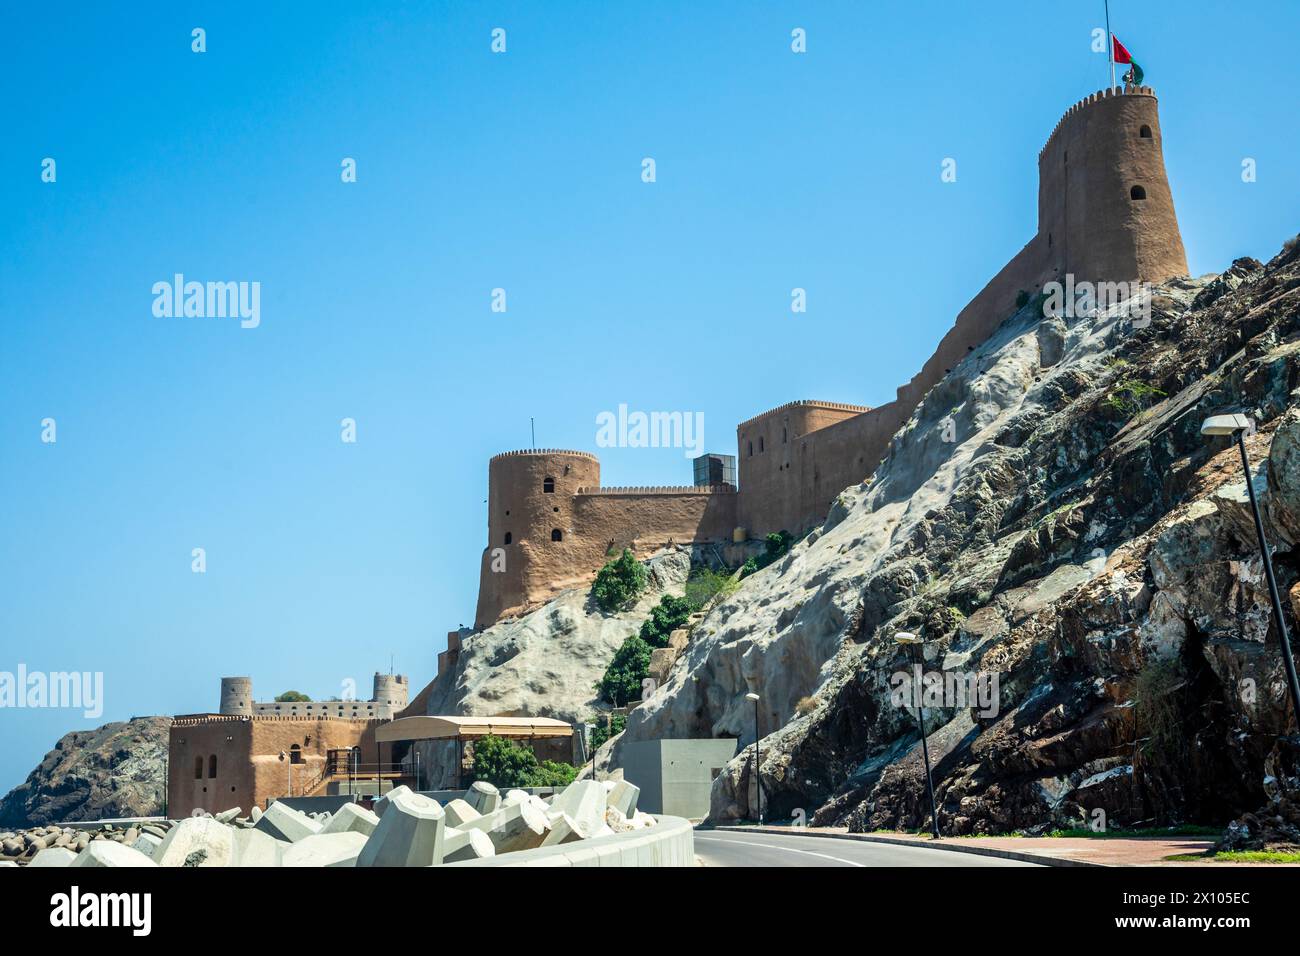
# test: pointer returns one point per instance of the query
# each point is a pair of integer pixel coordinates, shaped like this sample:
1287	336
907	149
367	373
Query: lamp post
913	642
758	778
1237	426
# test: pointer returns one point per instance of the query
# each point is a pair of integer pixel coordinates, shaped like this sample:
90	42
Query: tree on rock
623	677
619	582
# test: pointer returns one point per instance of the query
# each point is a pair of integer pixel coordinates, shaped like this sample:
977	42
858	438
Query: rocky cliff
1050	518
117	770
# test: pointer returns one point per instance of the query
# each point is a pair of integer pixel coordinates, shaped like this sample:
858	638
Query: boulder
54	856
285	823
352	818
410	833
254	847
466	845
106	853
326	849
483	797
197	841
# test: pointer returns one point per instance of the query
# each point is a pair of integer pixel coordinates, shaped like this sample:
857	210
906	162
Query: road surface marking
787	849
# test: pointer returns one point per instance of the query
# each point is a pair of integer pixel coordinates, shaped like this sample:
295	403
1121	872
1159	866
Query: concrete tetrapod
326	849
284	823
106	854
515	826
410	833
466	845
196	841
53	856
352	818
483	797
584	802
458	812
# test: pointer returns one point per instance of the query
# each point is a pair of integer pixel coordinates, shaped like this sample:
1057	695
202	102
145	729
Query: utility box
675	775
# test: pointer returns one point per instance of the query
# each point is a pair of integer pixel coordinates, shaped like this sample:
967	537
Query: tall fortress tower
1105	214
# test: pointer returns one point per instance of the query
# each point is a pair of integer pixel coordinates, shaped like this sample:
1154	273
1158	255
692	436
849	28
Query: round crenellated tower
390	689
530	521
237	696
1105	210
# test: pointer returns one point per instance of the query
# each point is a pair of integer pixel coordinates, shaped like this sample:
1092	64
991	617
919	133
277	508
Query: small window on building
784	436
760	444
295	754
557	534
212	767
1049	240
509	537
1136	193
751	449
548	485
1145	132
198	768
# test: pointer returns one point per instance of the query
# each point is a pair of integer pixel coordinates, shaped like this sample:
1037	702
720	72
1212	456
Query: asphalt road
726	848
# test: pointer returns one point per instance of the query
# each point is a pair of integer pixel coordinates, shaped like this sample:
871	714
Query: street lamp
1237	426
912	642
758	778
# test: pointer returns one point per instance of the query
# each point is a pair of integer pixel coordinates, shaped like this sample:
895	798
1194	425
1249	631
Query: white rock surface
101	854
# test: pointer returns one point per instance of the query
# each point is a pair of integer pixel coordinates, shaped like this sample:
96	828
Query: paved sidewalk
1055	851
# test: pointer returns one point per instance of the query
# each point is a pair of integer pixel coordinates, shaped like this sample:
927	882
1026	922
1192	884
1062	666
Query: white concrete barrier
671	842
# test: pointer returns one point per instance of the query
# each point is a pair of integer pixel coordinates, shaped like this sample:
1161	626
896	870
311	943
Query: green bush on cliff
601	733
776	546
619	582
704	583
630	666
667	616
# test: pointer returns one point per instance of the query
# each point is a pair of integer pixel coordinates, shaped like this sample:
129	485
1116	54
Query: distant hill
117	770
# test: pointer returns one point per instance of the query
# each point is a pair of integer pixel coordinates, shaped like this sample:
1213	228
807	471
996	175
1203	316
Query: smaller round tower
390	690
237	696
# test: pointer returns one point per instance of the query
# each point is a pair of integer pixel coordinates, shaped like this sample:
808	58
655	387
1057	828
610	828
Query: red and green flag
1122	55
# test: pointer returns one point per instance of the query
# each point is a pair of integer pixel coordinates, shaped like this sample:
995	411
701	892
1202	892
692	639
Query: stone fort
1105	214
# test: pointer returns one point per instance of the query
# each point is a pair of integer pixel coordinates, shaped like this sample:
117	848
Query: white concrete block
196	841
53	856
284	823
381	805
466	845
226	816
483	797
326	849
624	796
352	818
410	833
458	812
107	854
258	848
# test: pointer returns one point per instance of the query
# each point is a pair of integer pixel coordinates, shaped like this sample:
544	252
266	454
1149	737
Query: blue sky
477	171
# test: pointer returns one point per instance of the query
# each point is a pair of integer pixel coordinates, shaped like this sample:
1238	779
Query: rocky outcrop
1049	517
546	662
117	770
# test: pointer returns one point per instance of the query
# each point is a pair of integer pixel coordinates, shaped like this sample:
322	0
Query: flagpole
1110	47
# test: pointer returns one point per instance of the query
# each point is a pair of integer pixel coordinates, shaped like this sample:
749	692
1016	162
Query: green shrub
292	697
775	546
666	616
630	666
600	733
1131	396
705	583
505	764
619	582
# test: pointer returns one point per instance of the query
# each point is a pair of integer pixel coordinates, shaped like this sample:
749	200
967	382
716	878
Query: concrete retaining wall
669	843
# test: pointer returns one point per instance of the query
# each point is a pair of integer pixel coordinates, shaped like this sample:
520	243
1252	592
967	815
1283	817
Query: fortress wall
773	490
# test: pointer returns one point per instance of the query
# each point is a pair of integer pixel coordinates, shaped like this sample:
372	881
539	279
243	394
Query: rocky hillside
545	663
117	770
1051	517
